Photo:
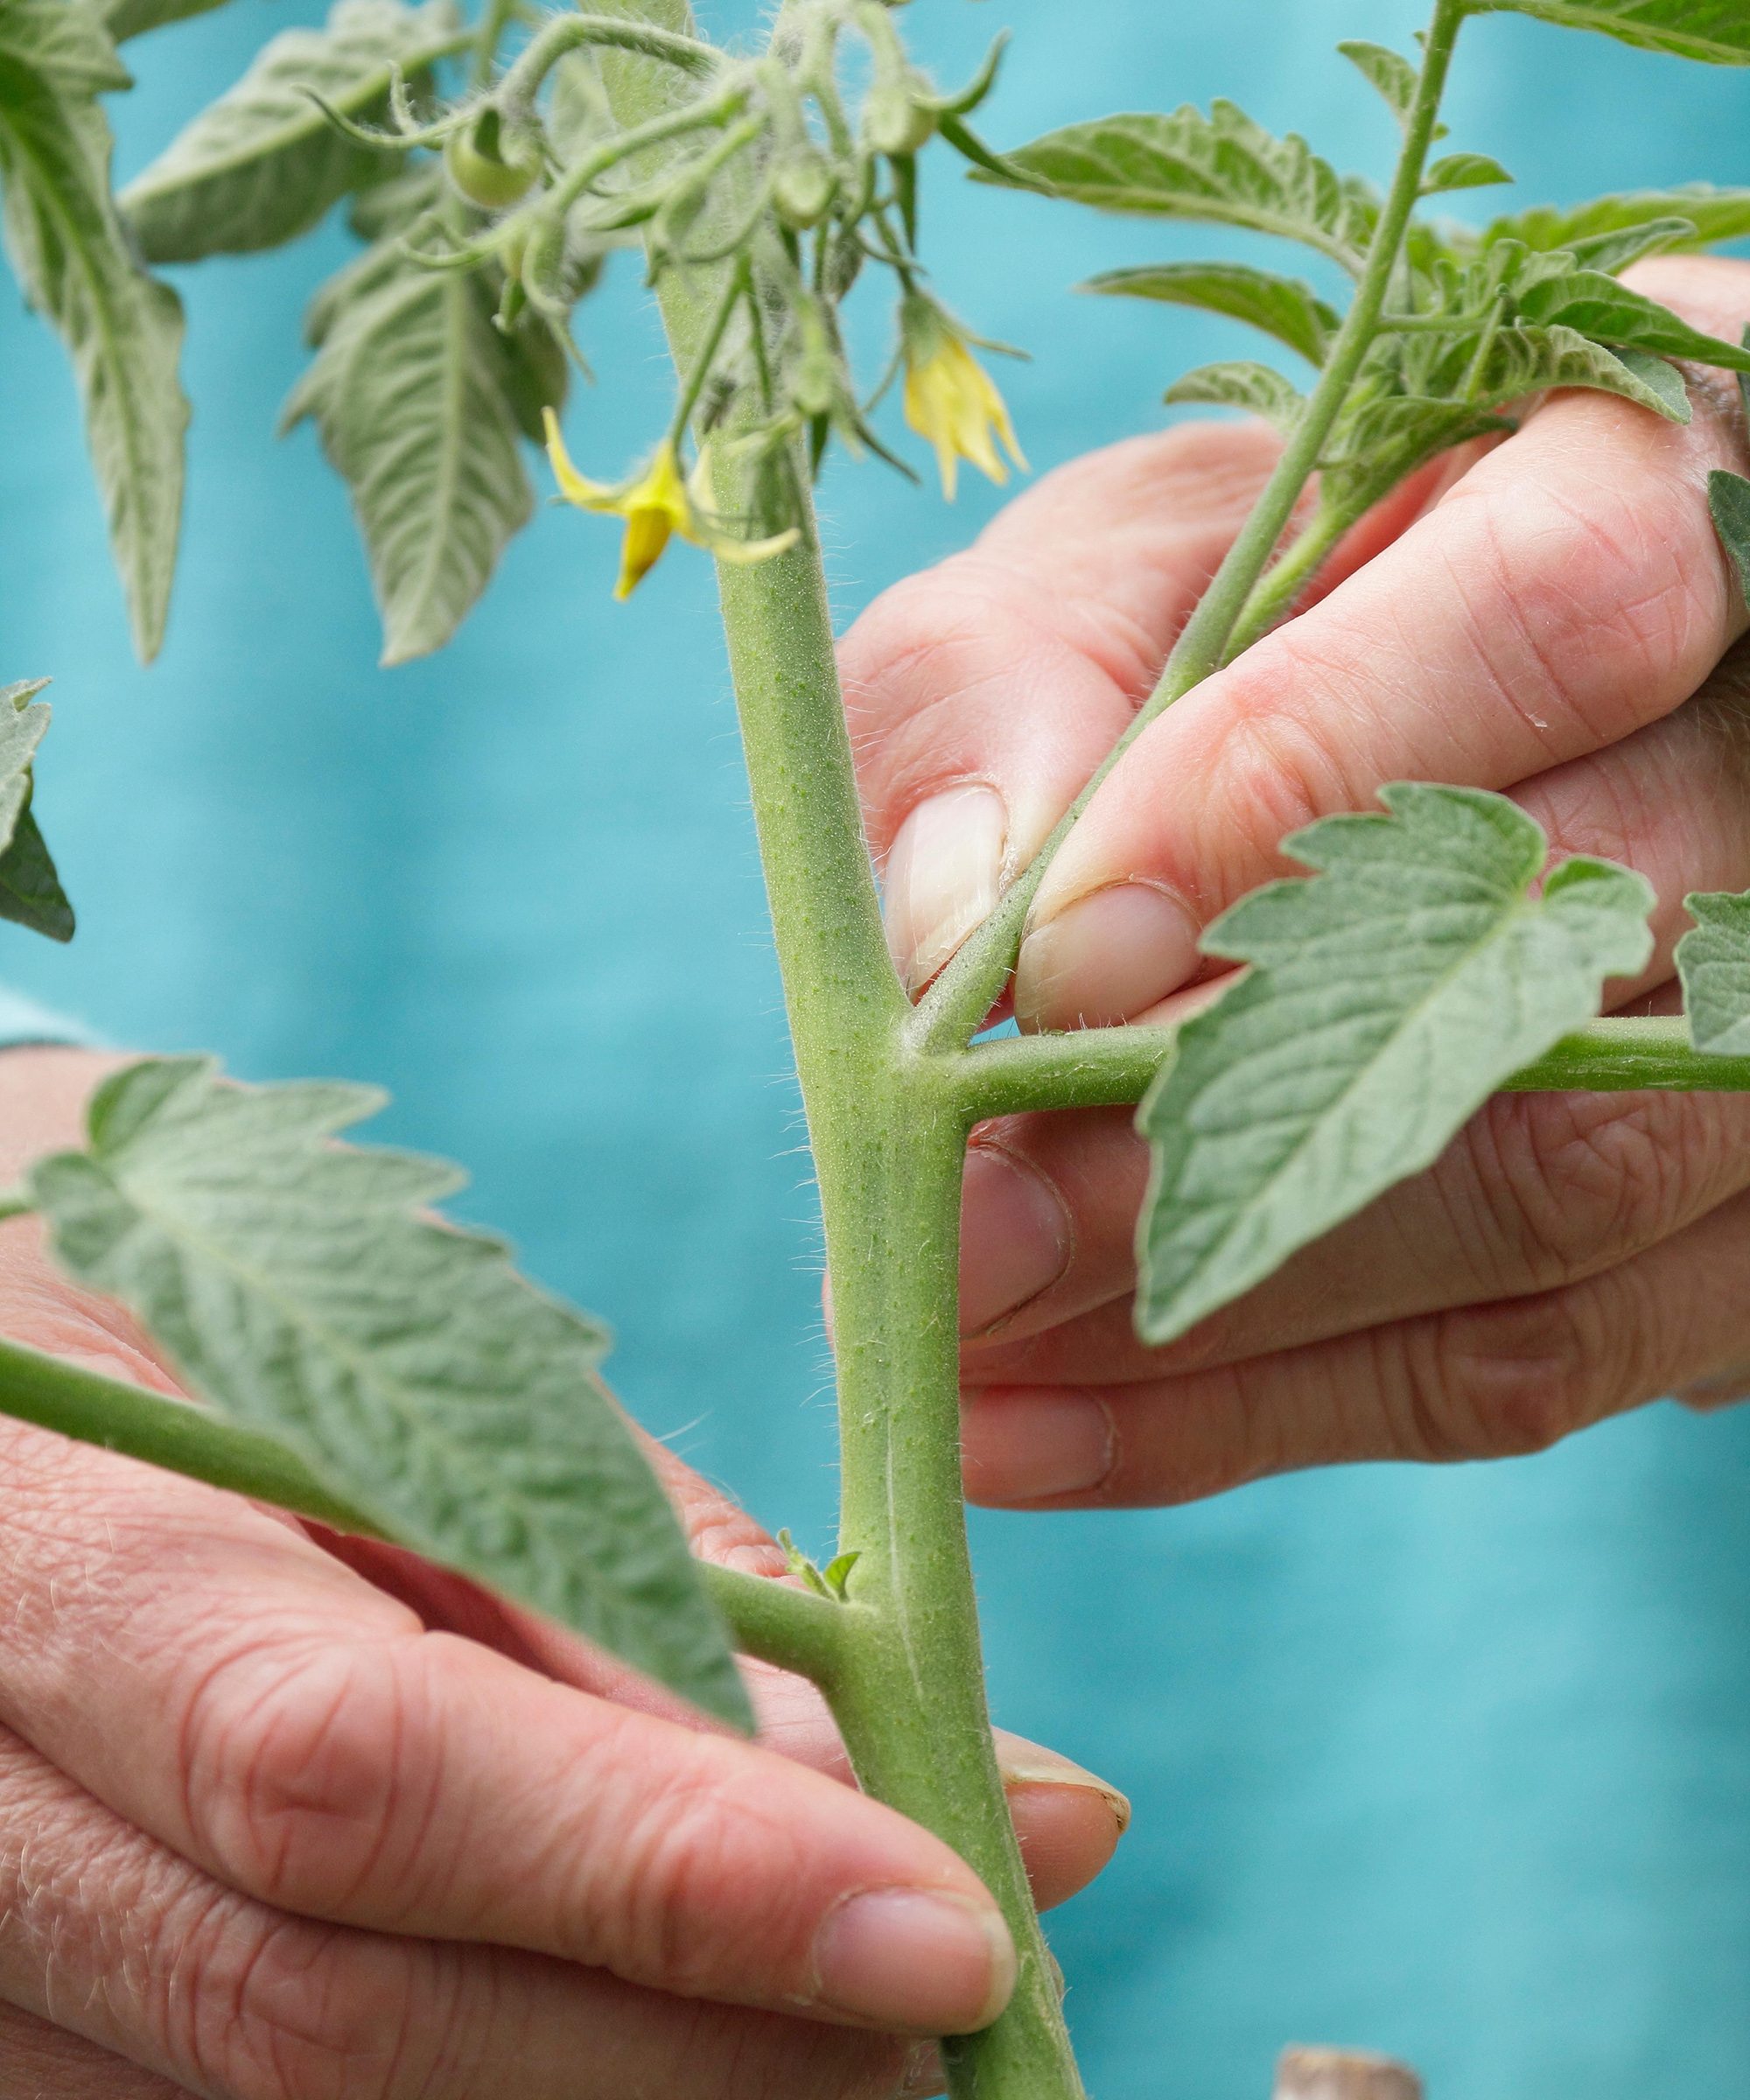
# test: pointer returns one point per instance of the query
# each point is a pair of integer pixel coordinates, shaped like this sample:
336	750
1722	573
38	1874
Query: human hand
1541	615
285	1816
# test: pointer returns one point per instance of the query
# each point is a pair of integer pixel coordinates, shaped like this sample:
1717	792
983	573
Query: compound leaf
1530	360
30	890
420	402
1389	996
263	163
1393	76
418	1376
1222	168
1709	213
1728	501
1463	172
1713	963
1596	305
125	18
24	722
1716	30
1383	435
1257	389
123	330
1380	437
1612	252
1285	307
30	887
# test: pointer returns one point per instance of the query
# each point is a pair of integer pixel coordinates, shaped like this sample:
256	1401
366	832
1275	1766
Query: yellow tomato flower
655	505
951	400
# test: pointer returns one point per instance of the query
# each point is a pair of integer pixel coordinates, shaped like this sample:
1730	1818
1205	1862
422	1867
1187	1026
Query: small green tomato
475	163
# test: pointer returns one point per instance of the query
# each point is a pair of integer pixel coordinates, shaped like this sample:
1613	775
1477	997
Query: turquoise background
1450	1763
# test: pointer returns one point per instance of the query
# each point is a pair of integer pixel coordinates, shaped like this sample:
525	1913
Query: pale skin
264	1745
1541	616
285	1818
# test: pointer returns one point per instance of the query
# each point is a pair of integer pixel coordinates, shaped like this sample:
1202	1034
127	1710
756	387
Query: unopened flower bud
844	263
814	381
895	118
803	187
815	384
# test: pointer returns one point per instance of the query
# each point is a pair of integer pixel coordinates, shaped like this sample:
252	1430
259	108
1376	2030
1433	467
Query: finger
112	1936
39	2062
1538	1191
1568	591
1048	1215
1719	1389
1491	1381
982	693
1067	1820
299	1735
1067	1827
1672	800
718	1530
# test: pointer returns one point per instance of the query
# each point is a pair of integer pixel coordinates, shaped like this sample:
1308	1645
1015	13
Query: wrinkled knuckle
1577	1183
717	1527
1272	775
938	638
913	631
678	1906
280	2009
727	1537
676	1864
1507	1380
1580	580
1657	605
290	1772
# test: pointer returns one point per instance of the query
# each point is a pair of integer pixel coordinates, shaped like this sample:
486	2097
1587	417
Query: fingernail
1024	1764
1022	1446
1105	958
913	1957
943	876
1015	1237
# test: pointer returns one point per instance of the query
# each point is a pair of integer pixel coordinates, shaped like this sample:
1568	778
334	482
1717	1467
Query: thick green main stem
906	1679
888	1138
